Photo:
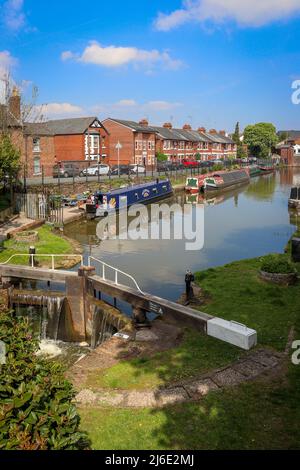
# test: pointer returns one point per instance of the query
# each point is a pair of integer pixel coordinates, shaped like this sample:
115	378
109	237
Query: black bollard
32	252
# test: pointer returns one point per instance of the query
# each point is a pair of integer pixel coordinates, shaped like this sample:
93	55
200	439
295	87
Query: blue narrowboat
104	203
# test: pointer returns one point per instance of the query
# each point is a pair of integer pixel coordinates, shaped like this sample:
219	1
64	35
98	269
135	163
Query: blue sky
206	62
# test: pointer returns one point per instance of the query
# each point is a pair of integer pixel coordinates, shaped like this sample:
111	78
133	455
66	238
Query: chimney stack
222	132
187	127
201	130
144	123
167	125
213	131
14	103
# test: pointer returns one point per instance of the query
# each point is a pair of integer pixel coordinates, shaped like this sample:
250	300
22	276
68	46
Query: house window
37	165
149	145
36	144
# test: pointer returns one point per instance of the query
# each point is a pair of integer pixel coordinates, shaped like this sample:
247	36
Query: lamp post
119	147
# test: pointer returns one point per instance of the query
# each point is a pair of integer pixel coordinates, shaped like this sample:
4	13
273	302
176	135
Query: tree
9	157
236	136
161	157
260	138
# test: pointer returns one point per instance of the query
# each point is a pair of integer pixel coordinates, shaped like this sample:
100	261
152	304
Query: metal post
43	179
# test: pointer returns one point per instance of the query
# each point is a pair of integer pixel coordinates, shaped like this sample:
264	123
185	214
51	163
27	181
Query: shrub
218	167
277	264
36	410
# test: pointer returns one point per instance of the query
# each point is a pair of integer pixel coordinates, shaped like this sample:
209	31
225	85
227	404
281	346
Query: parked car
65	170
218	162
123	170
190	163
95	170
137	169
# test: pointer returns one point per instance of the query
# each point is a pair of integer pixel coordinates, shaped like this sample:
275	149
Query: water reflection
247	222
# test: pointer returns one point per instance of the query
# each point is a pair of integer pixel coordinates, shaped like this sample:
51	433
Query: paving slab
171	396
267	360
86	397
249	368
228	377
200	388
145	399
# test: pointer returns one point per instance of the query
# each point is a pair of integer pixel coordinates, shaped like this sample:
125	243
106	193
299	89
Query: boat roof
115	192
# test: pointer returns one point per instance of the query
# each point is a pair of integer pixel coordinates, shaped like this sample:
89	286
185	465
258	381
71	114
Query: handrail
32	256
116	270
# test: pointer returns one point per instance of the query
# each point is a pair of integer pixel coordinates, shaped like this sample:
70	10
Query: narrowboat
254	170
102	204
195	184
267	168
226	179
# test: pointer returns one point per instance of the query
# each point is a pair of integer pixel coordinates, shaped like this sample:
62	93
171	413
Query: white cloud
58	110
243	12
162	105
7	61
13	15
116	56
156	110
126	103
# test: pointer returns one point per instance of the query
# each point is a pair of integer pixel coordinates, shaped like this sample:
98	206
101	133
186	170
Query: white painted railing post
53	265
116	277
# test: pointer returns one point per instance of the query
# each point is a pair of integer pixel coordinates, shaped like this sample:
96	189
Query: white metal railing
116	273
33	256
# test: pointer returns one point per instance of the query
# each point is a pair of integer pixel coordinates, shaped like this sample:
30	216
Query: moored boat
267	168
103	203
195	184
223	180
294	200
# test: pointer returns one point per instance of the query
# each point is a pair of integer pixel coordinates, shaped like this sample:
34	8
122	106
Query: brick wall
124	135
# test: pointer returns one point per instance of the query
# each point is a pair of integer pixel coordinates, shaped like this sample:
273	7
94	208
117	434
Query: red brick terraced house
78	140
140	142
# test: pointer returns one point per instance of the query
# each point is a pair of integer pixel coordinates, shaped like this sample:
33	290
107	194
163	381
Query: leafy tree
161	157
260	139
283	136
9	157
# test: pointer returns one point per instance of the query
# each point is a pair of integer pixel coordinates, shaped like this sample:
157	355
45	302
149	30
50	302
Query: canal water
246	222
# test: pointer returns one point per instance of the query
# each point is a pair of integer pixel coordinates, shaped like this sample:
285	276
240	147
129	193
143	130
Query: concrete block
232	332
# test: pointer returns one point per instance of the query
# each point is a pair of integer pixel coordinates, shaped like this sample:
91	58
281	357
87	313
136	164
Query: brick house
137	139
140	142
75	140
289	150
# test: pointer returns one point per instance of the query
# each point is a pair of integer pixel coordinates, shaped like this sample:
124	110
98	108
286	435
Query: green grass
197	354
256	415
49	243
238	294
251	416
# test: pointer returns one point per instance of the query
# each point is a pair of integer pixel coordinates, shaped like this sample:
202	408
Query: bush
36	410
277	264
218	167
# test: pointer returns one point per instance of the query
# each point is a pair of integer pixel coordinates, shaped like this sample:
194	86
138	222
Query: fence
39	206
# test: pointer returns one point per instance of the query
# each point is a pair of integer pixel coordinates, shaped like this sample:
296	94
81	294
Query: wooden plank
172	310
39	274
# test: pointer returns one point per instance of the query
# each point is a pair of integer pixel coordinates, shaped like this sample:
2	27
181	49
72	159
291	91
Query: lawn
257	415
49	243
234	292
197	354
251	416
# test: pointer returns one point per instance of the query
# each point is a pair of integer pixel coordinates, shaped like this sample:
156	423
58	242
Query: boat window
136	195
165	188
154	190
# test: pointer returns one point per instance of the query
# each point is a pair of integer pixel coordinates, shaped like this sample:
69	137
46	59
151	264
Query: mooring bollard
32	252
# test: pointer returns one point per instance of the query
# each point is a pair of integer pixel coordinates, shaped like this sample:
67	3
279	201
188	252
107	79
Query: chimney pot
187	127
212	131
222	132
167	125
144	123
14	103
201	129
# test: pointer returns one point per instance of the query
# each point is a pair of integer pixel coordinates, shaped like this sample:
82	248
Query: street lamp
119	147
